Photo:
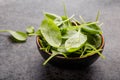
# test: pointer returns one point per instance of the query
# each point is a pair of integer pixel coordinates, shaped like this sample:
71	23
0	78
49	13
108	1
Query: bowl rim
61	57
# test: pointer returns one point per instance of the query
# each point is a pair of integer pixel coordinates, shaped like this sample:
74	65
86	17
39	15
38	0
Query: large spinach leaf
51	32
75	42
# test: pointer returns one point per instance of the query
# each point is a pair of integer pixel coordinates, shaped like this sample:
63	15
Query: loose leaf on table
75	42
51	32
30	29
20	36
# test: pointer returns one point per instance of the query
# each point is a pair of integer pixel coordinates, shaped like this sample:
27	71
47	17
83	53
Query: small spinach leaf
92	29
30	29
51	16
57	19
20	36
37	33
60	22
94	40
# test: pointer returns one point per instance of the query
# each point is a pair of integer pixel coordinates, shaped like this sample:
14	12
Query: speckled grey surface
22	61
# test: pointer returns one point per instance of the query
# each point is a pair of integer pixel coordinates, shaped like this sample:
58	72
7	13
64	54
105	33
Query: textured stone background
22	61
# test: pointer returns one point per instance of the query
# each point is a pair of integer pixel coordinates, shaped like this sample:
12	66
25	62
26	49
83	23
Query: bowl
75	62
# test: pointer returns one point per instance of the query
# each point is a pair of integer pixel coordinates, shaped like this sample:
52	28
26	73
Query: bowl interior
101	47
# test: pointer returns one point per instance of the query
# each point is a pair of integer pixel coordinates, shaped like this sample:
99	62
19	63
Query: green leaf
57	19
51	32
20	36
75	42
30	29
92	29
37	33
60	22
68	34
51	16
64	18
62	48
94	40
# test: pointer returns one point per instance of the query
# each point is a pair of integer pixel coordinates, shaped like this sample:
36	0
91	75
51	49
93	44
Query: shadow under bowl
75	62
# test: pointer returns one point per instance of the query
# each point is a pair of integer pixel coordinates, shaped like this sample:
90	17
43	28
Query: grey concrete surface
22	61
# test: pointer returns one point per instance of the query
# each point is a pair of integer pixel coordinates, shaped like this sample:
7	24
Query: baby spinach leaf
75	42
51	16
57	19
64	18
51	32
60	22
20	36
30	29
62	48
68	19
94	40
68	34
37	33
92	29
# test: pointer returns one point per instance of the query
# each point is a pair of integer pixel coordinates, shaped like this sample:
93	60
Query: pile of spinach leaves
65	36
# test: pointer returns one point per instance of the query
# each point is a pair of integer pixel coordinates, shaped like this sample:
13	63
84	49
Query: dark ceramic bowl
75	62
